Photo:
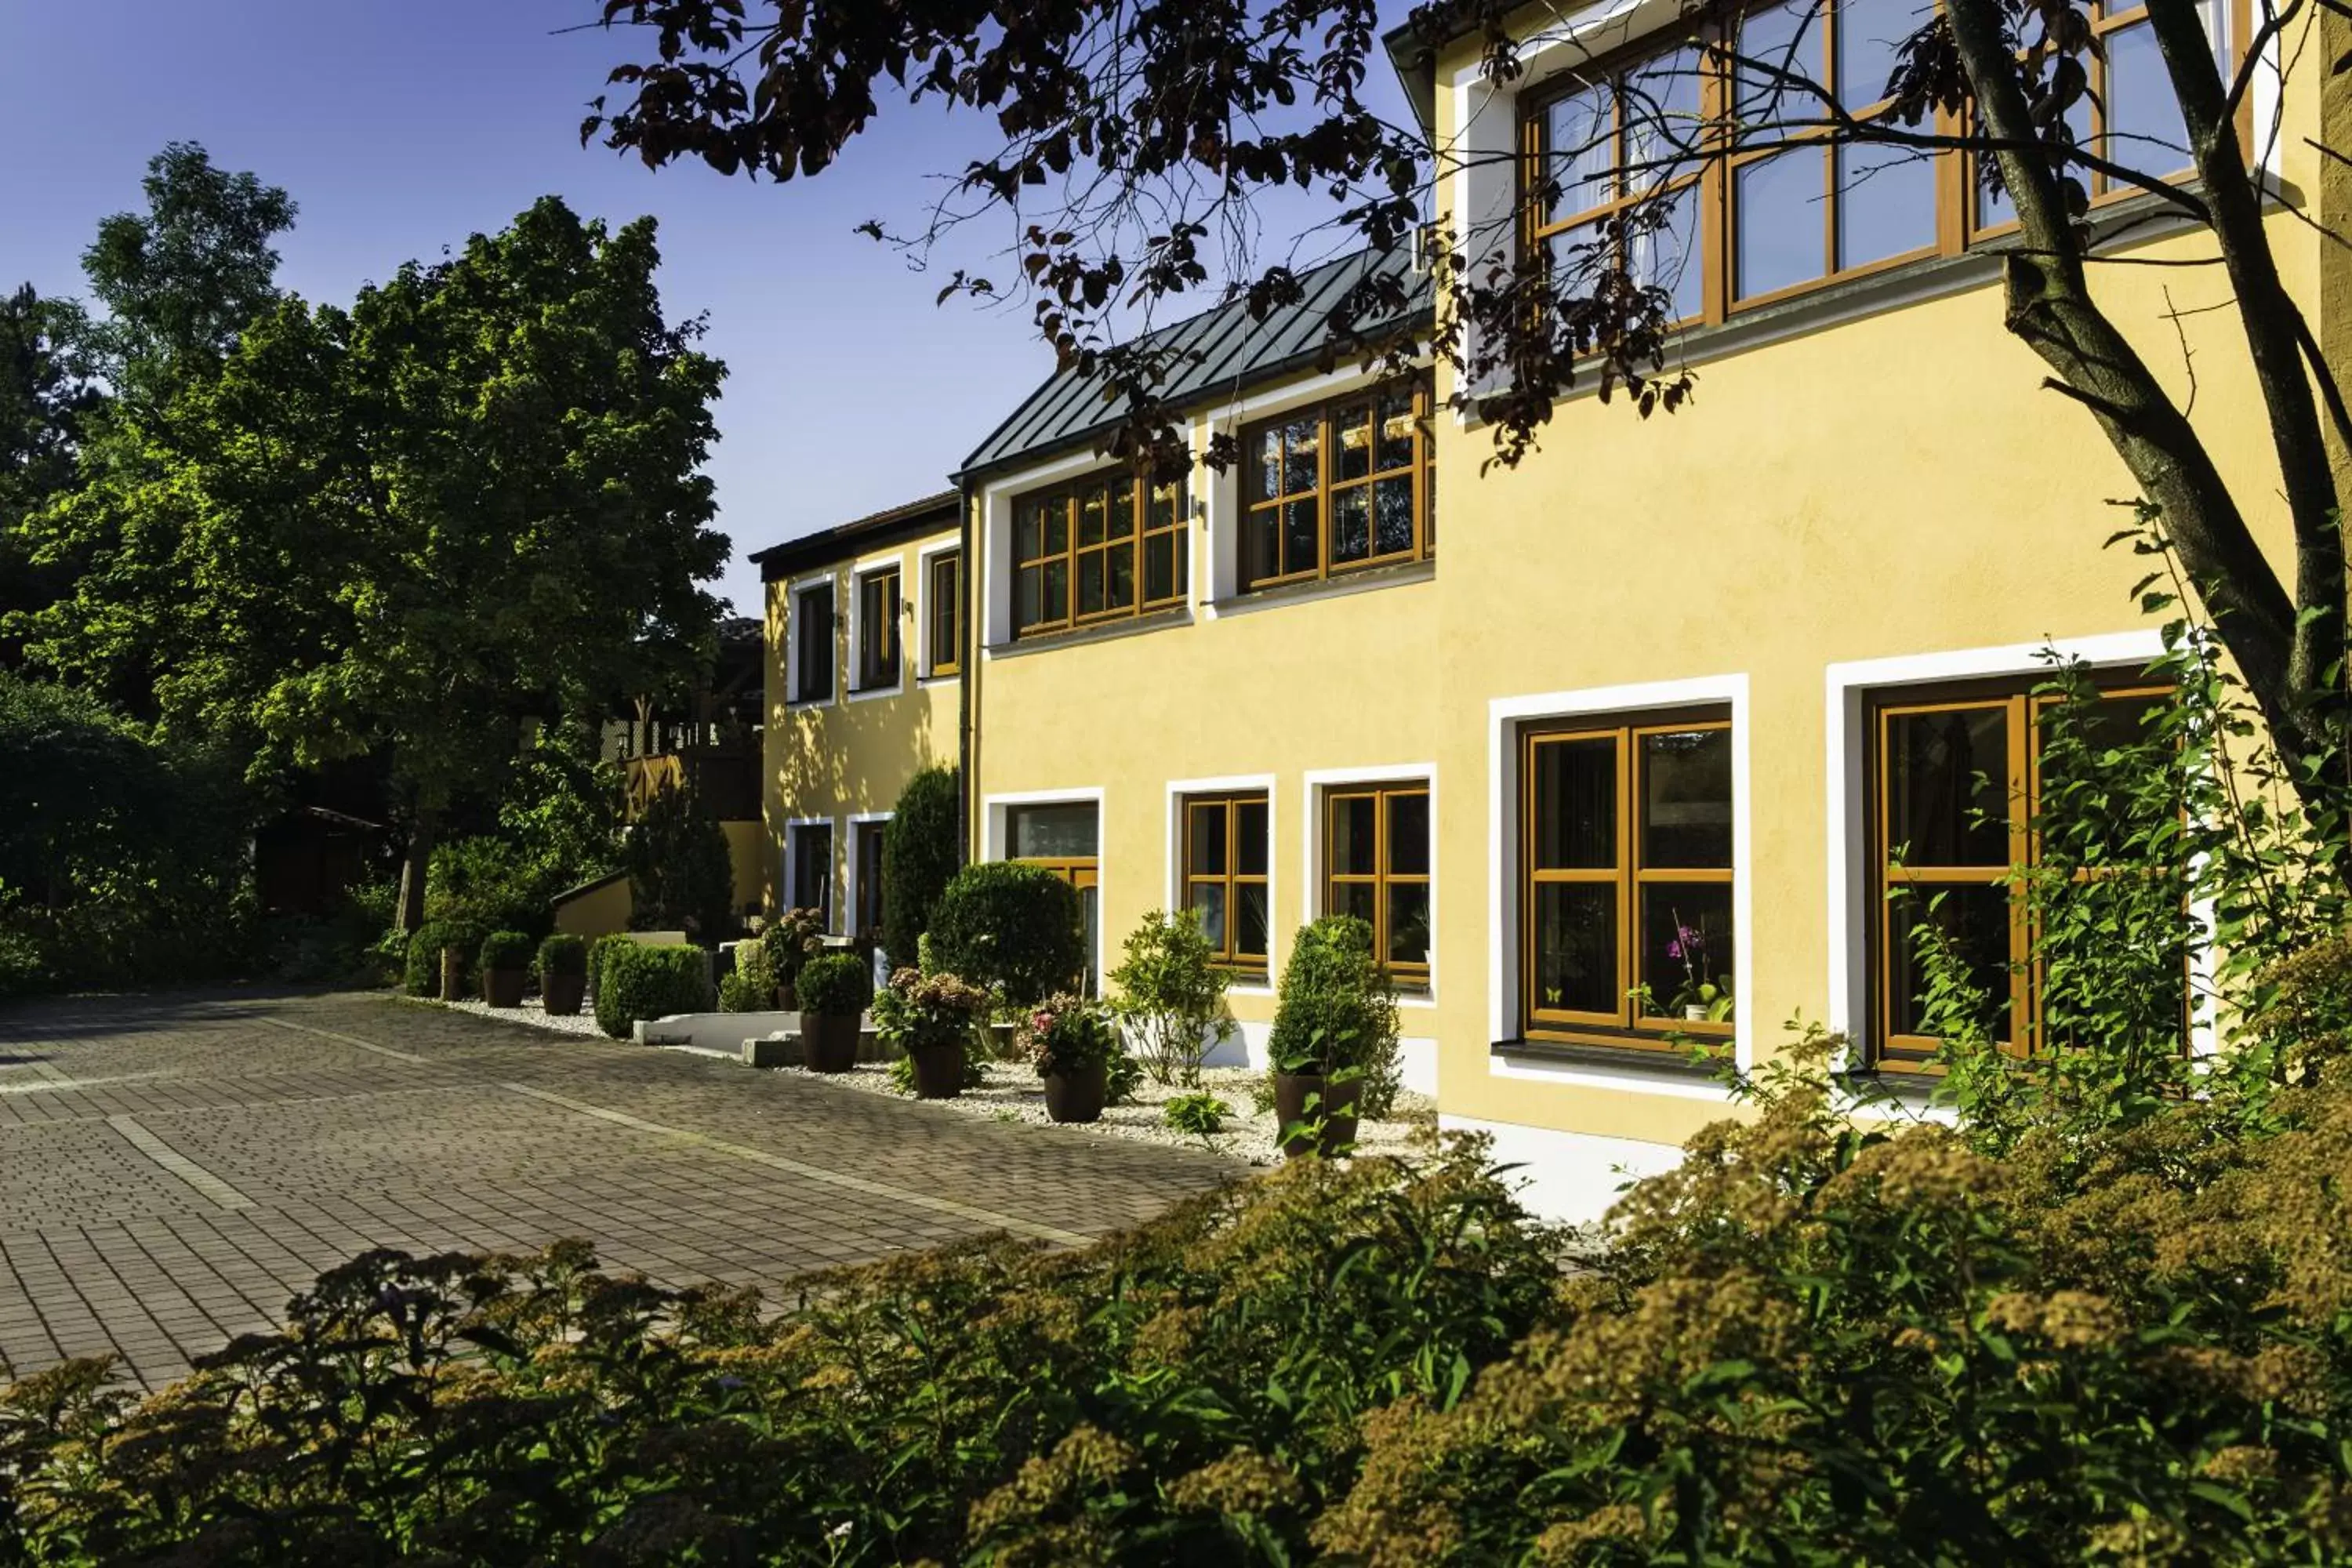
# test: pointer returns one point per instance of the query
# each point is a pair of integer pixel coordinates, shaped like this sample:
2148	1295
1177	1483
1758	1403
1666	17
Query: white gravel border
530	1014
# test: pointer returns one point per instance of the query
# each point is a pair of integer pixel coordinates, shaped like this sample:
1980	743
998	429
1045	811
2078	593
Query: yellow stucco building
1628	756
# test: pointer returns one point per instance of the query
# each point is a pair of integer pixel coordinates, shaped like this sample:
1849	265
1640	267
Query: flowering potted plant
796	936
931	1018
1700	998
1072	1041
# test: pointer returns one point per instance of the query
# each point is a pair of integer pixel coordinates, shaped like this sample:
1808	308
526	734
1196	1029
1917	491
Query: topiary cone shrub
921	853
641	982
563	974
1011	926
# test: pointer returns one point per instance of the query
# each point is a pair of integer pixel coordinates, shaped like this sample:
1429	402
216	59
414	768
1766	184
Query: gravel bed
584	1022
1015	1093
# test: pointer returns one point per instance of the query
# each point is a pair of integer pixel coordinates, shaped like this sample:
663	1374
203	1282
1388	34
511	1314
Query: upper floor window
944	605
812	616
1343	486
878	629
1102	548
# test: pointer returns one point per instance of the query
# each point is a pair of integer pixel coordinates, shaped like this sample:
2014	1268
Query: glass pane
1158	567
1209	909
1302	440
1090	582
1886	204
1301	528
1580	137
1974	921
1785	39
1576	947
1943	772
1574	256
1686	798
1357	899
1180	581
1664	254
1870	32
1262	545
1118	522
1029	597
1352	524
1992	210
1119	592
1057	525
2088	811
1393	516
1053	832
1687	951
1206	835
1396	431
1408	923
1028	531
1250	836
1164	505
1090	517
1662	117
1265	466
1057	590
1355	433
1778	222
2144	129
1249	920
1355	842
1409	835
1575	804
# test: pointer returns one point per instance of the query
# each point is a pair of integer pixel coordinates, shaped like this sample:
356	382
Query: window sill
1102	631
940	677
867	693
1628	1058
799	704
1357	582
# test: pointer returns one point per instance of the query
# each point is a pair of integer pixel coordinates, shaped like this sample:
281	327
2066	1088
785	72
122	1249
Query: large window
1625	879
1101	549
809	846
944	605
1225	854
1376	867
1337	487
1066	838
1785	210
878	629
866	850
813	643
1959	788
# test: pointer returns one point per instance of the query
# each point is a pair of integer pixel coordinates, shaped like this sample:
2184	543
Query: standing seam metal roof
1222	351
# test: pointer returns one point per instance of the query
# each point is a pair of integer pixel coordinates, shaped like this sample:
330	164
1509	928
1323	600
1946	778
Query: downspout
968	660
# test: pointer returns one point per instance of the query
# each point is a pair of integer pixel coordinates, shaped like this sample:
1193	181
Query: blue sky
401	126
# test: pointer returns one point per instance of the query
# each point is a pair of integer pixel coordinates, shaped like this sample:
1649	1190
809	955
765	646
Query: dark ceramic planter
1077	1096
939	1071
828	1041
503	987
562	994
453	975
1336	1107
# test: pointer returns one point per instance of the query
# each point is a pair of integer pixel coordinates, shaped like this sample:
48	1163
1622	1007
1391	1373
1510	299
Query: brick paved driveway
171	1171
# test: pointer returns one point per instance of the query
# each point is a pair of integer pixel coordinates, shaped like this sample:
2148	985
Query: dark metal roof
894	526
1223	350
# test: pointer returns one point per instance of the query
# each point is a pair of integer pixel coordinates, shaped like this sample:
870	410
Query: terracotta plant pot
939	1071
829	1042
1336	1107
453	975
503	987
562	994
1077	1096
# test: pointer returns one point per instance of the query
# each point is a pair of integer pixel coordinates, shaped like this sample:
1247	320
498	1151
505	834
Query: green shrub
681	876
23	971
598	952
1171	992
562	953
837	984
641	982
921	852
422	975
1067	1033
489	884
1012	926
1336	1013
506	949
1197	1115
791	940
737	993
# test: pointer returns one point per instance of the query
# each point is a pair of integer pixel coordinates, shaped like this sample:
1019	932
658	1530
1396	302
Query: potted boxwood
1072	1041
833	989
506	967
931	1017
1333	1042
563	974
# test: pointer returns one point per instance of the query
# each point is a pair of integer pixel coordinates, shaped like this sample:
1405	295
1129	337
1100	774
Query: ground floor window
809	866
1628	934
1376	861
1227	846
1066	838
865	849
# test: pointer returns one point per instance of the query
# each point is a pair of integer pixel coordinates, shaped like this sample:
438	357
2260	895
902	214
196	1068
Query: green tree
473	498
47	401
681	876
921	854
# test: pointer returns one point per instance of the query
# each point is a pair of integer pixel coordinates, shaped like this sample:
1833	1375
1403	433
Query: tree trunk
412	871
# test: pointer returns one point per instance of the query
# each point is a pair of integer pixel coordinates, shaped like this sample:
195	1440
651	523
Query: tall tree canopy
45	405
1130	138
399	529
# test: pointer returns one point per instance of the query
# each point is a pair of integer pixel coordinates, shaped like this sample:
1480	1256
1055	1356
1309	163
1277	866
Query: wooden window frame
1406	976
2022	783
881	661
1232	879
1626	1027
803	666
1146	524
943	605
1327	487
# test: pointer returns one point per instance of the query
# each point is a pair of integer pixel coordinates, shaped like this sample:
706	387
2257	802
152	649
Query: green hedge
641	982
1002	922
421	977
920	854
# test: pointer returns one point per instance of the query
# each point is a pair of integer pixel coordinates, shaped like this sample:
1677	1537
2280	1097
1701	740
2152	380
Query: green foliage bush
422	975
738	993
600	949
1067	1033
920	854
562	953
641	982
791	940
1172	993
681	876
1196	1115
506	949
491	884
23	971
1014	926
837	984
1336	1012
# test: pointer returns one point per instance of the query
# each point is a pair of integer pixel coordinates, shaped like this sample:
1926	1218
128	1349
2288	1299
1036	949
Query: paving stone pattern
172	1171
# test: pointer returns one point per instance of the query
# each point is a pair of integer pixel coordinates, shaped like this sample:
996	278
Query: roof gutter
967	687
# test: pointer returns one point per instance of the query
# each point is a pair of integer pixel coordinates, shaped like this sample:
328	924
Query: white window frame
854	820
993	538
1319	782
1235	783
1505	716
996	825
793	827
858	573
926	654
792	592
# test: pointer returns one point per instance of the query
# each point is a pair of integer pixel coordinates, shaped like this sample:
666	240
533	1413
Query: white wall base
1245	1048
1574	1177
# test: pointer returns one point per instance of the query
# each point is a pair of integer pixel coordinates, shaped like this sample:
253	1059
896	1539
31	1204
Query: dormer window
1104	548
1333	489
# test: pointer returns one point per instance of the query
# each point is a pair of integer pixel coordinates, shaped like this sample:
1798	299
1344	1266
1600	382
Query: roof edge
893	525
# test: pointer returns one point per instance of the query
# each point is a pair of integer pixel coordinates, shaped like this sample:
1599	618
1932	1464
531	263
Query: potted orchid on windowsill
1700	998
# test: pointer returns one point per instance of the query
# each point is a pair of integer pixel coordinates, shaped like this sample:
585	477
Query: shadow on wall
847	758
